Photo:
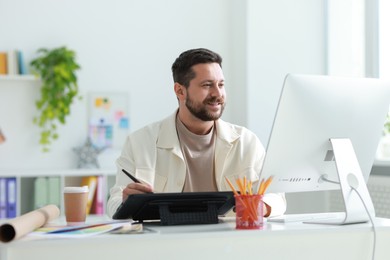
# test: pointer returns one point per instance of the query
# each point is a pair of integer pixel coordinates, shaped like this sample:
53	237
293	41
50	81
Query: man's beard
200	111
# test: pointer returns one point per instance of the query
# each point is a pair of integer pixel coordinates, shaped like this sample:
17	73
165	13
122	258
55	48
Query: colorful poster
109	121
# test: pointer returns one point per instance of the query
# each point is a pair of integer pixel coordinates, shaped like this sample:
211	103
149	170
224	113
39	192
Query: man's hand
136	188
266	210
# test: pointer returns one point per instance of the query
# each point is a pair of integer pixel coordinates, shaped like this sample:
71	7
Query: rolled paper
20	226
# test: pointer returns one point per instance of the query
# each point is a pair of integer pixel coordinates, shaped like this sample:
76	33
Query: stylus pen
131	176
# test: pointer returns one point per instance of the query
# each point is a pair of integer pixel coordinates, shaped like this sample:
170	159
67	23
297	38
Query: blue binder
11	197
3	198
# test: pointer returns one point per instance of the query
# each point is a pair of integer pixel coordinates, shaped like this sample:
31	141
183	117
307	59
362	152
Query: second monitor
325	136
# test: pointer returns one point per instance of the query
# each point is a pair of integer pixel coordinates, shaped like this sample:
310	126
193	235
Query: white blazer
152	154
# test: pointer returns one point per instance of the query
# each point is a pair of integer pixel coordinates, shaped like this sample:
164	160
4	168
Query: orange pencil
250	187
241	186
245	185
264	185
261	187
231	186
267	183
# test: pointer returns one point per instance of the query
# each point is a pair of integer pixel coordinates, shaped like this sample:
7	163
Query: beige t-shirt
198	152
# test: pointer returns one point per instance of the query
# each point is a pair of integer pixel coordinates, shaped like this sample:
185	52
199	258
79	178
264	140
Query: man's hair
182	67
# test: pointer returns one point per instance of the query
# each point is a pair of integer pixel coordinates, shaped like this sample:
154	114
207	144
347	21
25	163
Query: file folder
11	197
3	198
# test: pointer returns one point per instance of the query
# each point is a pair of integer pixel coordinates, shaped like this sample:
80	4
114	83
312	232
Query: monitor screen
325	136
313	109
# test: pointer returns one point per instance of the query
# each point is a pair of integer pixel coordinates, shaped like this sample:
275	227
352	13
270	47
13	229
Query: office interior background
128	47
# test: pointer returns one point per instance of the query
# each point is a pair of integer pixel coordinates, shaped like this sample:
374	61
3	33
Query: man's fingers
136	188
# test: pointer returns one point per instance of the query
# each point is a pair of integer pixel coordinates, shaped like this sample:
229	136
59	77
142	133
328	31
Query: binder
21	62
12	62
11	197
98	207
40	192
54	191
3	63
3	198
91	182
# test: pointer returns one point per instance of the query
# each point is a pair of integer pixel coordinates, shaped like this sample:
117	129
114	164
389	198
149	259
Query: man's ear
179	91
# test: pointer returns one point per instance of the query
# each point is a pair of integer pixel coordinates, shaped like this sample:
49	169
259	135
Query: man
193	149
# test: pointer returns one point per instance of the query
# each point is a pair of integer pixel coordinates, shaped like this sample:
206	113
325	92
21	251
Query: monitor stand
350	175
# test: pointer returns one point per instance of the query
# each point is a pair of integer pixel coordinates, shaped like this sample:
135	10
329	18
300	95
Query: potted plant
57	71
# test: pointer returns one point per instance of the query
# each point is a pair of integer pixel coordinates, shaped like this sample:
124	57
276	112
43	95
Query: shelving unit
18	77
25	180
24	88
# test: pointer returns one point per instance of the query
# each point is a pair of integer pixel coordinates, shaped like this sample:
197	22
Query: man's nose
216	91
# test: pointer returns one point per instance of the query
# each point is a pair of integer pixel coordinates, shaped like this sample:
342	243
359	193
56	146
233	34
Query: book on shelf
97	205
40	192
54	190
7	197
47	190
22	68
3	198
12	63
3	63
11	197
91	182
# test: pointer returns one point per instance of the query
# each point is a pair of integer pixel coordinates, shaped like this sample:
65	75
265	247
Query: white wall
128	45
285	37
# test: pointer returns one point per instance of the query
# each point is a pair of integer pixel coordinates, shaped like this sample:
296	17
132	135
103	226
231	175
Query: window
346	38
384	39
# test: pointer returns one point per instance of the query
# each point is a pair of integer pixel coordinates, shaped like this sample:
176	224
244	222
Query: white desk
217	241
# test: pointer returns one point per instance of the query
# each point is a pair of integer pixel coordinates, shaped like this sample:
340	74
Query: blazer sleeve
277	202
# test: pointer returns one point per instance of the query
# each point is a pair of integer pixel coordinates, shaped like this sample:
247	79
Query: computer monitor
325	136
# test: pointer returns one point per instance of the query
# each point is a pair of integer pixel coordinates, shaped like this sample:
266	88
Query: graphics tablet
177	208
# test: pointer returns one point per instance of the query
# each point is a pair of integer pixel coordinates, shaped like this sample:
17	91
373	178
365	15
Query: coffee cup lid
76	189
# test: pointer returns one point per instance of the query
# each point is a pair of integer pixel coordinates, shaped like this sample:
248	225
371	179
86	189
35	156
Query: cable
371	220
323	177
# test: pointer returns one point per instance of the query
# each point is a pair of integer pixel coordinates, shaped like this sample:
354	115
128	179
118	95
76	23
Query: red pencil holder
249	211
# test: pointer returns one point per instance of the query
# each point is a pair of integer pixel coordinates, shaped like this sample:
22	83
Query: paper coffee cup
75	201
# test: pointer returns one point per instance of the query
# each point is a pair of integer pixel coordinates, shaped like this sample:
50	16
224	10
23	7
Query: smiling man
192	150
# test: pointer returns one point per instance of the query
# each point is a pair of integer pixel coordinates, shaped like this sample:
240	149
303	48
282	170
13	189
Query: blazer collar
226	132
168	133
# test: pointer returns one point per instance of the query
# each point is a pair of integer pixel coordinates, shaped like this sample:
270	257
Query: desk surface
215	241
